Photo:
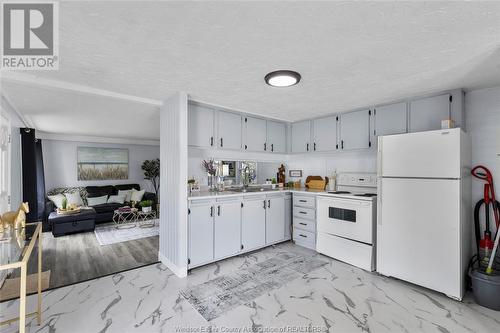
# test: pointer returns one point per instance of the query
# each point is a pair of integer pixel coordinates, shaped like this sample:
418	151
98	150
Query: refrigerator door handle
379	157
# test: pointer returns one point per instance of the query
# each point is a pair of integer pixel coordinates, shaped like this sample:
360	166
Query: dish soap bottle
332	184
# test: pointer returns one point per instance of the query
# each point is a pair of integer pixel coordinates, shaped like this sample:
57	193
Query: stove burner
339	192
366	195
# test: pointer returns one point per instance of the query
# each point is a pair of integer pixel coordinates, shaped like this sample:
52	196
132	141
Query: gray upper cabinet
355	130
426	113
325	134
389	119
255	134
276	137
200	126
301	136
228	130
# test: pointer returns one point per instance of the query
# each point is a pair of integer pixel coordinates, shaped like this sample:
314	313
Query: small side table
143	216
125	219
16	251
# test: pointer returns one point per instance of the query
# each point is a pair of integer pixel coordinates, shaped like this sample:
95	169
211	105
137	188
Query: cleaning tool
484	246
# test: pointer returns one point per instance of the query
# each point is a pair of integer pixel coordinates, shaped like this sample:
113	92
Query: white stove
346	220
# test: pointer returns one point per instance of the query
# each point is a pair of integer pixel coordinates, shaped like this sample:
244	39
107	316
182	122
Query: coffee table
125	219
146	216
128	219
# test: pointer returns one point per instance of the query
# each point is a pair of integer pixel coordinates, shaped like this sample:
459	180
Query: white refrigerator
423	208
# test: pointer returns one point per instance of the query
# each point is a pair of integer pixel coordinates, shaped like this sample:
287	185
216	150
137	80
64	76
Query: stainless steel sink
249	189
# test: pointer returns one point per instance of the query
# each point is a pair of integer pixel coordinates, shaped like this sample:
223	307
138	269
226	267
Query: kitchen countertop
229	193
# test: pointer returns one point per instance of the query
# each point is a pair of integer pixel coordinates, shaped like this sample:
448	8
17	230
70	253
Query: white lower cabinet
253	223
275	219
304	220
201	233
227	228
288	216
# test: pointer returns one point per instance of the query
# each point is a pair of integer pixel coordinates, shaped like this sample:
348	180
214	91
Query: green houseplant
151	170
146	205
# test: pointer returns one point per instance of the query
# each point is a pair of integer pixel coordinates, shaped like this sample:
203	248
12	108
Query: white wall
16	194
60	163
325	164
482	109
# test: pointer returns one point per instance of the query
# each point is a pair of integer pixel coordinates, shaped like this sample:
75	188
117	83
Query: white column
173	183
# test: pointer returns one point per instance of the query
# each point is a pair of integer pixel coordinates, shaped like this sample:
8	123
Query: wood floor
79	257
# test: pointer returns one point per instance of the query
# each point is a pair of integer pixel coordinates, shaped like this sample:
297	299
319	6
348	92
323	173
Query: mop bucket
486	288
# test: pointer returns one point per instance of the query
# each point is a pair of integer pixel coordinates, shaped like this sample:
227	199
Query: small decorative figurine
281	174
16	220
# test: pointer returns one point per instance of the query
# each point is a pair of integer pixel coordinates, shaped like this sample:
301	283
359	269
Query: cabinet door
255	134
253	224
355	130
426	113
201	234
301	136
288	217
275	219
227	240
390	119
325	134
229	130
276	137
200	126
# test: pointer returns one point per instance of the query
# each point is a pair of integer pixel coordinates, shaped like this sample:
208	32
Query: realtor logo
30	36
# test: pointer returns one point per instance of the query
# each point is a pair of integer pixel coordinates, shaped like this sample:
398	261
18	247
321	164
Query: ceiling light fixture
282	78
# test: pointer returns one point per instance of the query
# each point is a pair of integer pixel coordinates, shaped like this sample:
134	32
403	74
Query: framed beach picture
95	163
295	173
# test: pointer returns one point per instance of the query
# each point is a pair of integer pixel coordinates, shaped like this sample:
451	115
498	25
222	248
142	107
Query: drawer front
308	225
304	238
71	227
304	201
304	213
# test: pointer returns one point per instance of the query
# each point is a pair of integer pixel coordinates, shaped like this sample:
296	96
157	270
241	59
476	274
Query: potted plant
151	170
146	205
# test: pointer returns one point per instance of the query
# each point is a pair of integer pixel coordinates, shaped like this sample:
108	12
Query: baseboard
179	271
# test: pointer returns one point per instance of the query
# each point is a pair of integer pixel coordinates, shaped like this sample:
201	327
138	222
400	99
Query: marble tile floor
334	298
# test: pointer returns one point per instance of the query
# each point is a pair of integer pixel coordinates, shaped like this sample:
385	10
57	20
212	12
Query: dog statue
16	220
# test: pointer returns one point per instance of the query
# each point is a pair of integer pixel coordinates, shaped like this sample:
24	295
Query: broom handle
489	269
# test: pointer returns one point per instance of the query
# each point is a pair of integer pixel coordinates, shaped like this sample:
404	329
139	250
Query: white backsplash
325	165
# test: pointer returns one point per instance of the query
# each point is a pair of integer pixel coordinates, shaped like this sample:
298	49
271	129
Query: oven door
348	218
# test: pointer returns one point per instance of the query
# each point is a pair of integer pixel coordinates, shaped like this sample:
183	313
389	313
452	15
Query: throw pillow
57	199
126	193
74	198
97	200
137	195
116	199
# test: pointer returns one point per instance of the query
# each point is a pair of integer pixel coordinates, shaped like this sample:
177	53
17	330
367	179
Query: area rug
10	288
217	296
107	234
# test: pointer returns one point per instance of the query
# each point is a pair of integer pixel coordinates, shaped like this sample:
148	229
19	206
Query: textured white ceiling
67	112
350	54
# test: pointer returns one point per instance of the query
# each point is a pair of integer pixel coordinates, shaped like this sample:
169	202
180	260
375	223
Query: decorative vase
212	186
